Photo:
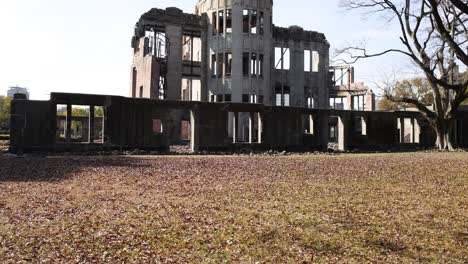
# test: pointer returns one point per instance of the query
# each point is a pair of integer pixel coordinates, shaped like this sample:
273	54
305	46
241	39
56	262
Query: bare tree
435	37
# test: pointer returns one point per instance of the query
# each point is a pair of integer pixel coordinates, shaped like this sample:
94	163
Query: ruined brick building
230	51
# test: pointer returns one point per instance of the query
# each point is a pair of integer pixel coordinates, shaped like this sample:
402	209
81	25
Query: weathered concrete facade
238	53
168	46
134	123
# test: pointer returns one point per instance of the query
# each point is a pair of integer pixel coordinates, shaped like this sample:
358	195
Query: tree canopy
433	34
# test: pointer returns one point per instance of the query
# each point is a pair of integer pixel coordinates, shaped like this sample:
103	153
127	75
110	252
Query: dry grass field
386	208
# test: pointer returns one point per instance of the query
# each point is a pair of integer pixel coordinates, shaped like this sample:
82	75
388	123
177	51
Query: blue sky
84	46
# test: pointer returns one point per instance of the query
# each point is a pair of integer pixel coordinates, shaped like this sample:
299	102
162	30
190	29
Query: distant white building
17	90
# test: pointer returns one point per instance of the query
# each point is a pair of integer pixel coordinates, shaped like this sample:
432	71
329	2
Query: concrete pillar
416	132
235	127
342	133
174	62
69	123
194	131
260	128
91	135
204	97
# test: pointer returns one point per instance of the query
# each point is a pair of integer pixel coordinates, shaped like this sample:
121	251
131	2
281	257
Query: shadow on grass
57	168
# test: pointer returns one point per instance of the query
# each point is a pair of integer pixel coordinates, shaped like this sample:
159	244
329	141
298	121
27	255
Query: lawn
387	208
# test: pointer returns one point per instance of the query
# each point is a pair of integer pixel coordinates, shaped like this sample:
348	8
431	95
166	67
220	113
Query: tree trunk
443	131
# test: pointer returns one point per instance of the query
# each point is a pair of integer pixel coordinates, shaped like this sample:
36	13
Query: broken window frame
284	60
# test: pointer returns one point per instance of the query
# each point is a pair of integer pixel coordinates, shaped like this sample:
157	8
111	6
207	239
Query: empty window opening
310	102
228	63
84	124
141	92
216	98
213	65
338	103
253	64
307	60
333	134
228	21
98	132
250	98
245	98
214	20
309	124
279	99
260	99
191	48
358	125
278	58
61	123
157	126
278	94
186	89
261	23
245	20
220	64
134	82
260	65
315	61
245	127
221	22
227	98
282	95
282	58
253	22
80	124
245	63
156	43
286	59
287	98
359	103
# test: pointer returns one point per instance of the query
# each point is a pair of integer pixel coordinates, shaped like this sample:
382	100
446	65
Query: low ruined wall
134	123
